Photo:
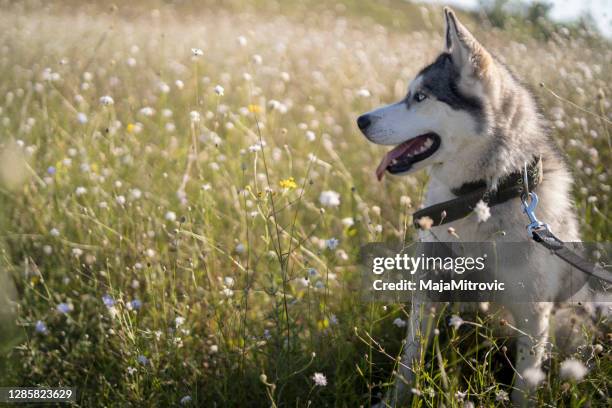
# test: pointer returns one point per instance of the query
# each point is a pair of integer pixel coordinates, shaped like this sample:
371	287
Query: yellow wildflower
289	183
323	324
254	108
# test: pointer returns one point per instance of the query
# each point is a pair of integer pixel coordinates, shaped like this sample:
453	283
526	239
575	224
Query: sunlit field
184	192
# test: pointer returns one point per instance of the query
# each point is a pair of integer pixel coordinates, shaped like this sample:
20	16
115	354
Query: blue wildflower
63	308
136	304
41	327
108	300
186	400
332	243
51	170
143	360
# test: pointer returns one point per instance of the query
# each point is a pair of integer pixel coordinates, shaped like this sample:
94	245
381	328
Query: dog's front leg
533	320
420	330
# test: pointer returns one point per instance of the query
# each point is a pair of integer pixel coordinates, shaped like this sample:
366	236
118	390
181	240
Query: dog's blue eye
419	96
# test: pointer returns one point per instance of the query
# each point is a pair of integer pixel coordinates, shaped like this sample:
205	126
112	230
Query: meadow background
183	194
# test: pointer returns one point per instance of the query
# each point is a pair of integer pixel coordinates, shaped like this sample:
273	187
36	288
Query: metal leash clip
529	201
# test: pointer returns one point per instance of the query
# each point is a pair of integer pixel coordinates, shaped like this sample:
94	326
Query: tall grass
194	241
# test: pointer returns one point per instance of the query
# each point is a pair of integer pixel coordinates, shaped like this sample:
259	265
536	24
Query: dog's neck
466	167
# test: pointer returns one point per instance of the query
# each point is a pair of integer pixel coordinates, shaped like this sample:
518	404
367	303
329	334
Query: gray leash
540	232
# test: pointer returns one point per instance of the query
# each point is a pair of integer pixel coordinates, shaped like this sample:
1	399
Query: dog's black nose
363	122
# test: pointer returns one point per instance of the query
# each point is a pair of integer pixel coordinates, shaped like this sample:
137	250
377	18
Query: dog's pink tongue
391	155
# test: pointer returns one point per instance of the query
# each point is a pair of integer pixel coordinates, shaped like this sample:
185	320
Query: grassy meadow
184	192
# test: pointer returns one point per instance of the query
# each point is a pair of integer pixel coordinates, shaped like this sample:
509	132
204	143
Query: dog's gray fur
489	127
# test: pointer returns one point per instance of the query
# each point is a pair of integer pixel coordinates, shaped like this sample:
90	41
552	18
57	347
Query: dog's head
444	110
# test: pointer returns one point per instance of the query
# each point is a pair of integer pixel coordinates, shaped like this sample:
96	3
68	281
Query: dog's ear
468	55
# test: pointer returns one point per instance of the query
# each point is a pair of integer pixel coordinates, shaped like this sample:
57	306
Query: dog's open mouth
402	157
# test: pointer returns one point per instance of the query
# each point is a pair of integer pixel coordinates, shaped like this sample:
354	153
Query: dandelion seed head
573	369
533	377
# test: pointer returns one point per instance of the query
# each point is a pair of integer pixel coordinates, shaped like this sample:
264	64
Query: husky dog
466	118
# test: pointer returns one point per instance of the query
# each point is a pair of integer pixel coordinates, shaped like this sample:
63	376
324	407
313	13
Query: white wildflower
197	52
456	321
425	222
399	322
164	87
348	221
319	379
195	116
170	216
329	198
135	194
501	396
107	100
482	210
363	93
219	90
147	111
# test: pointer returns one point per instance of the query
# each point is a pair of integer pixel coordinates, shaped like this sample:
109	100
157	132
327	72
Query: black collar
469	194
